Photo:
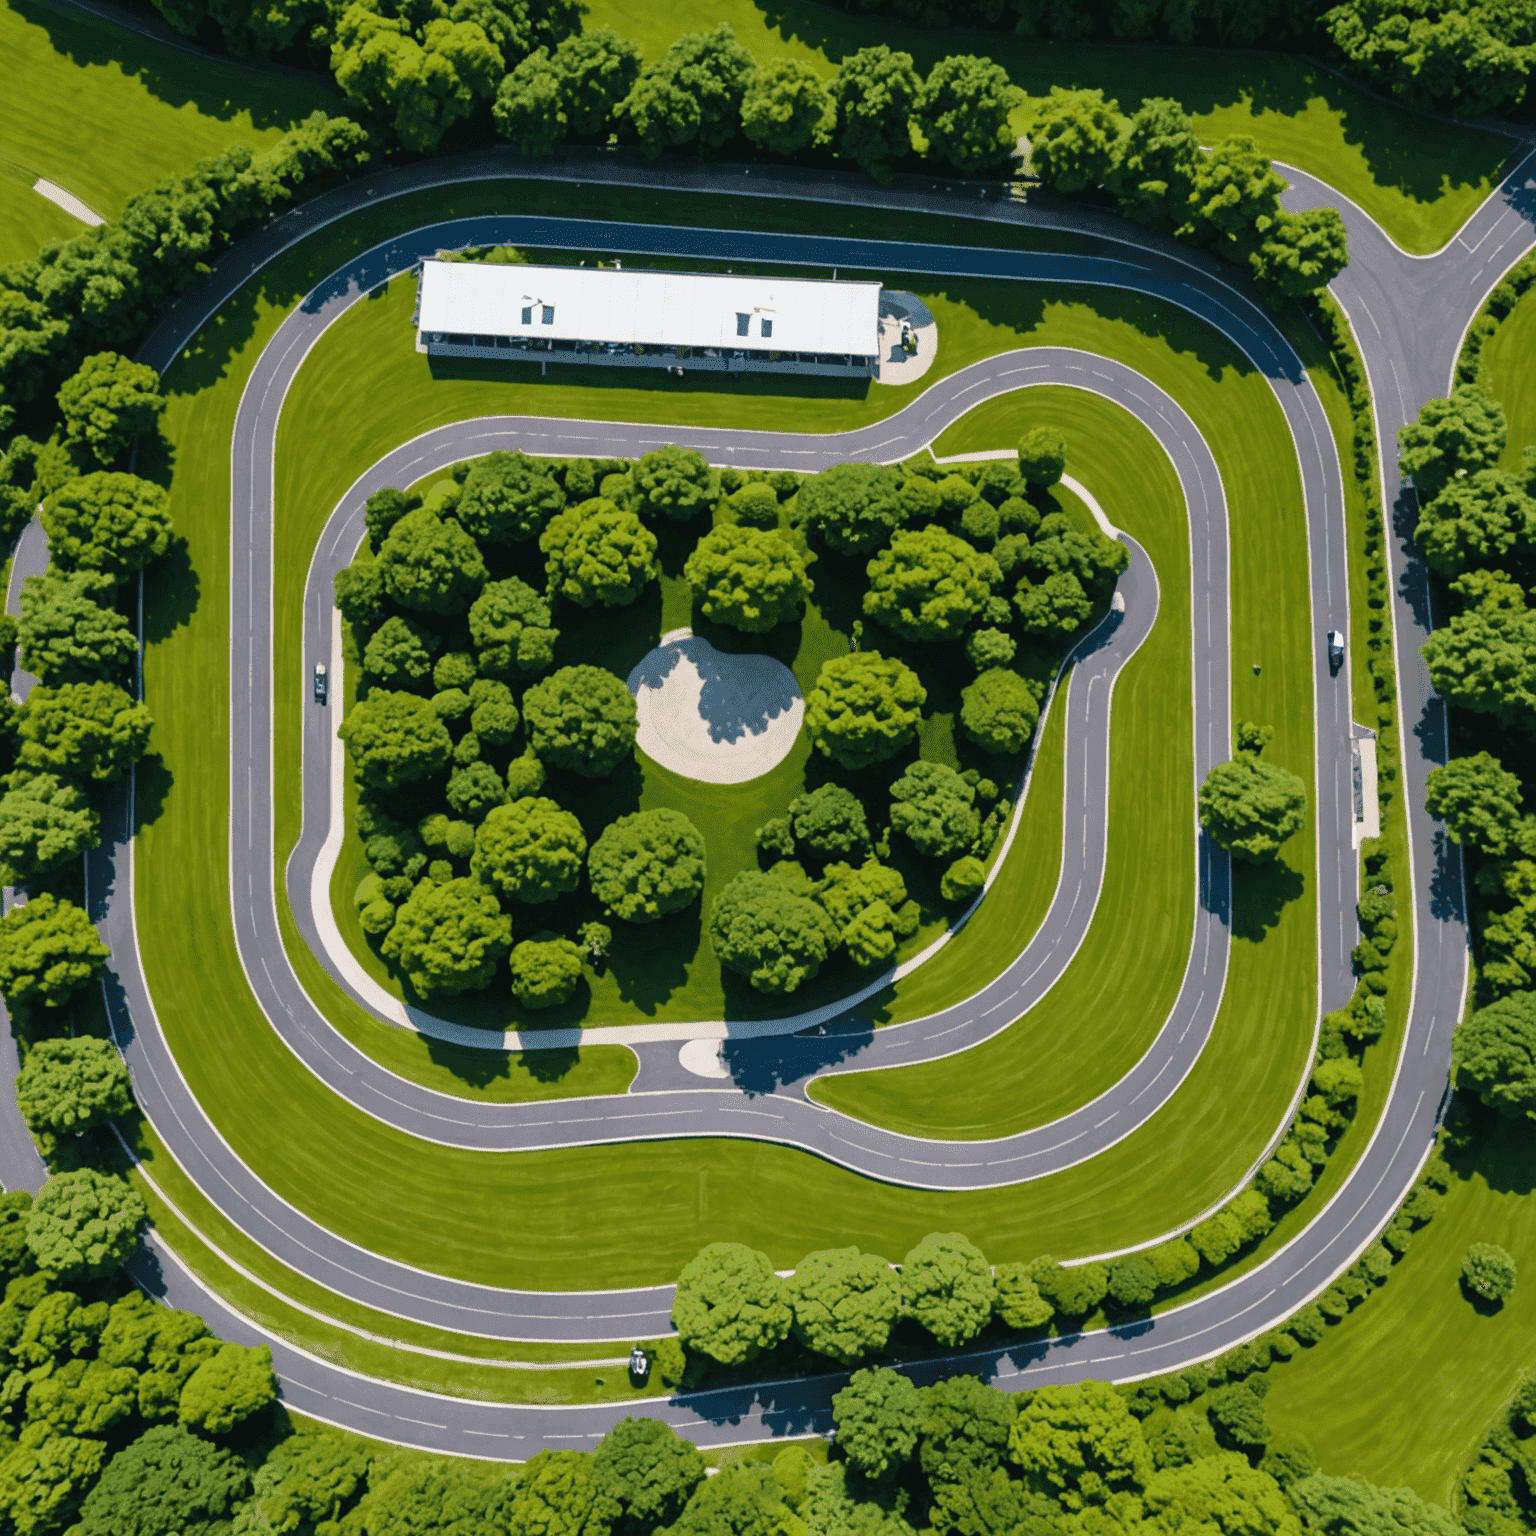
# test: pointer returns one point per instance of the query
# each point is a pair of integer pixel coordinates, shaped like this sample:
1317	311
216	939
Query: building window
742	322
767	327
548	315
527	314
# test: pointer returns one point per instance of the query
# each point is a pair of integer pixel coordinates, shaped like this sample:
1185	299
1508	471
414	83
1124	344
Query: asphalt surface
1254	1301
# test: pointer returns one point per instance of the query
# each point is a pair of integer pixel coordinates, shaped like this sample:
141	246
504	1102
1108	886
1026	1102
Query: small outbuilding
643	318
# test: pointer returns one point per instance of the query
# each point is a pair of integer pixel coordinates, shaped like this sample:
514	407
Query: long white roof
670	309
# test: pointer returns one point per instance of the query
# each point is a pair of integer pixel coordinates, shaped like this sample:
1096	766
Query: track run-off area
1408	315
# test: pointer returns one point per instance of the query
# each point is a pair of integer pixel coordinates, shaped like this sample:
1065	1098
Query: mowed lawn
105	112
507	1219
1417	176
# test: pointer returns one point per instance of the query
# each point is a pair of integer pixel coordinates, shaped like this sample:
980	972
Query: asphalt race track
1385	310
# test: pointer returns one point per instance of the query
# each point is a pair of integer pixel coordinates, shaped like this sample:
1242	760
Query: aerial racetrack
669	1107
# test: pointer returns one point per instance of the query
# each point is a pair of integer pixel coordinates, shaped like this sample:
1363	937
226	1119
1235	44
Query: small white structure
648	319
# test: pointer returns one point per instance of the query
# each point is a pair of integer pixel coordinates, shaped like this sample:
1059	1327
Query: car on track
1335	652
322	682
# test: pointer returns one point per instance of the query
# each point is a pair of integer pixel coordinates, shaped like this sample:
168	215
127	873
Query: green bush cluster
1497	1491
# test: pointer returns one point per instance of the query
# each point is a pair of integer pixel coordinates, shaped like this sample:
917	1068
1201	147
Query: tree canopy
877	1417
729	1304
648	865
770	931
108	402
852	508
875	91
228	1388
510	626
598	553
962	111
44	822
69	1086
1250	807
429	564
1494	1055
648	1471
829	819
786	108
692	94
935	807
675	483
83	1224
864	708
1062	1435
49	949
108	522
1482	519
399	653
1485	658
845	1303
929	584
530	850
166	1482
1074	141
395	738
946	1285
1489	1271
749	578
447	938
999	711
508	497
1452	437
1350	1506
1478	801
1042	455
83	731
582	719
70	632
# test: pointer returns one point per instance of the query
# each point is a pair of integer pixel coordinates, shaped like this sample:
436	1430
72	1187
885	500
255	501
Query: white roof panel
668	309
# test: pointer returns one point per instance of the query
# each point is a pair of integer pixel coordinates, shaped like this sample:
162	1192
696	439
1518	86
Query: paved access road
1249	1304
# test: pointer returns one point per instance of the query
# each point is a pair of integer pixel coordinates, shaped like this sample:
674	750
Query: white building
648	319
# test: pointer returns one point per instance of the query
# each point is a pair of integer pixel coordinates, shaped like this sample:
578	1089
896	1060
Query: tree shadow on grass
477	1068
151	788
171	592
615	638
1260	895
650	961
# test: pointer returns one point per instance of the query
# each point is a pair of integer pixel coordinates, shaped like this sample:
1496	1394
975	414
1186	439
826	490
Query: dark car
322	682
1335	651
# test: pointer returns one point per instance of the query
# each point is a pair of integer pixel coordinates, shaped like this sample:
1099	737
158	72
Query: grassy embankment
1418	177
104	112
297	1135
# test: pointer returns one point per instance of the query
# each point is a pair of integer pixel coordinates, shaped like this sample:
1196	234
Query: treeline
473	767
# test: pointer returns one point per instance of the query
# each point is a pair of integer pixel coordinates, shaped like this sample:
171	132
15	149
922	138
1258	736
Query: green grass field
106	112
1418	177
1509	377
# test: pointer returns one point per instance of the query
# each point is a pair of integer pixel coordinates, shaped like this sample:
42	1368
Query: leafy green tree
109	401
447	938
70	632
770	931
929	585
44	822
1485	658
82	1397
963	1429
1018	1302
560	1494
875	91
1300	253
228	1388
57	1328
1075	139
44	1477
877	1417
530	105
963	880
1489	1271
1055	607
999	711
165	1483
1072	1289
545	972
963	110
474	791
360	592
1236	1415
755	505
870	908
730	1305
384	509
742	1500
429	564
829	819
1481	519
1154	171
648	865
581	719
510	625
309	1479
675	483
107	522
786	108
1042	456
693	94
1221	1494
508	497
946	1285
1058	548
845	1303
494	718
934	806
431	1494
427	81
165	1347
1494	1055
1080	1441
83	1225
49	949
86	731
852	508
69	1086
988	648
1452	437
748	578
598	553
598	69
530	851
648	1470
1478	801
395	738
1236	199
1249	807
1132	1282
1350	1506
